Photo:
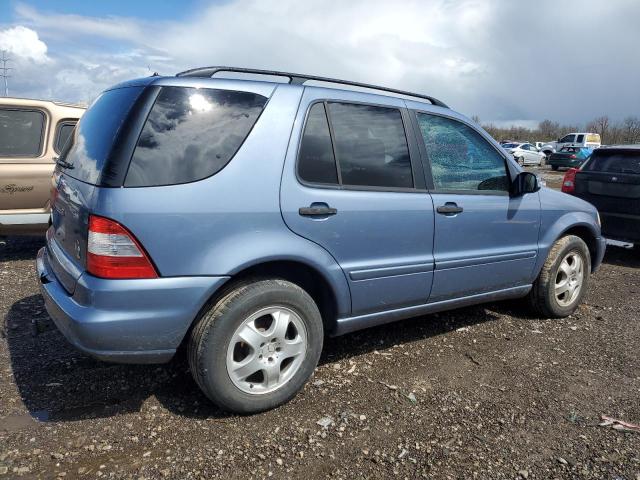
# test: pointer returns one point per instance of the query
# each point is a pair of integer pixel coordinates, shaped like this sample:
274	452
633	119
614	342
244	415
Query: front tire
257	346
563	280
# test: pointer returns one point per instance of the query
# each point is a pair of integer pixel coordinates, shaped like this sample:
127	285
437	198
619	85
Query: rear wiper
64	164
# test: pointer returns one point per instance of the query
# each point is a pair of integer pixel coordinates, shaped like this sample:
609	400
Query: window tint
525	147
613	161
460	158
96	133
580	139
567	139
371	145
63	133
191	134
20	133
316	162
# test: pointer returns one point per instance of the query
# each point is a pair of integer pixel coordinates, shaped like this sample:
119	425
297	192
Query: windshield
96	132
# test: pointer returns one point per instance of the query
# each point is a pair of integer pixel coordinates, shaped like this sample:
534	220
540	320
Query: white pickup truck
580	139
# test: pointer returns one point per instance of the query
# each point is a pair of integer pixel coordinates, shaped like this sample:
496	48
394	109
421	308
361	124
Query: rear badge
78	249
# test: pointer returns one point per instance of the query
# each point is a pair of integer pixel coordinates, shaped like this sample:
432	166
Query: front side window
568	139
370	145
191	134
21	132
461	160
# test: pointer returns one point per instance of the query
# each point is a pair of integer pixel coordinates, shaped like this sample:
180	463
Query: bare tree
631	130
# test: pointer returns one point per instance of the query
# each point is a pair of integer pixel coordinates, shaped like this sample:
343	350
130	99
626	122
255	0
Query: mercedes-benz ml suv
248	219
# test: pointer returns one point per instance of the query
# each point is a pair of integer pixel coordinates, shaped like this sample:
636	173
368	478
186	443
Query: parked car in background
586	140
539	145
568	157
32	135
525	153
246	220
610	180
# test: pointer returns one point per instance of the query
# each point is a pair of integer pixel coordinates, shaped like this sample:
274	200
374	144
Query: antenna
4	70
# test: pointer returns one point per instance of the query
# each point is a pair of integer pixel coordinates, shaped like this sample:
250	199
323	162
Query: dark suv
610	180
248	219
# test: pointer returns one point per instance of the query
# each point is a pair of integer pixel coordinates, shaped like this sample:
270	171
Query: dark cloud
505	61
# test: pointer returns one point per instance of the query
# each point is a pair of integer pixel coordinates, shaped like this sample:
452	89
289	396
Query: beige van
32	134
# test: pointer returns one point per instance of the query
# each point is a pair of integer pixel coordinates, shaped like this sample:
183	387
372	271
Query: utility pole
4	71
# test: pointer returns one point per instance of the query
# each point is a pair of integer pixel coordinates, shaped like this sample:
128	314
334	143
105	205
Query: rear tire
563	280
271	326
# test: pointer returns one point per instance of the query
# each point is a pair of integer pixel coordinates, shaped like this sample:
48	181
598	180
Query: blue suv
247	219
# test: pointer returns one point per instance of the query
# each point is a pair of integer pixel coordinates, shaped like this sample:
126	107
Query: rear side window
621	161
461	160
316	162
63	133
580	139
21	132
191	134
371	145
96	133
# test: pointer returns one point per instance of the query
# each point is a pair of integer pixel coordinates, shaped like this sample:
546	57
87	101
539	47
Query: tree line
626	131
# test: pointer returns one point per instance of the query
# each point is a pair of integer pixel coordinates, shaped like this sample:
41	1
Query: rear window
191	134
619	161
96	133
21	132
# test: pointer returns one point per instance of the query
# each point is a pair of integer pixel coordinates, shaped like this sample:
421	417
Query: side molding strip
351	324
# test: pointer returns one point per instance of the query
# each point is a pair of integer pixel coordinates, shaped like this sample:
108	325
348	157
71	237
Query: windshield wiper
64	164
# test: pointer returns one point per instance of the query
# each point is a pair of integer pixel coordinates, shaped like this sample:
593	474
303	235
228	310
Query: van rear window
191	134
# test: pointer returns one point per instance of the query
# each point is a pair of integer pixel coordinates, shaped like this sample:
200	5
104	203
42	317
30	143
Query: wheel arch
579	224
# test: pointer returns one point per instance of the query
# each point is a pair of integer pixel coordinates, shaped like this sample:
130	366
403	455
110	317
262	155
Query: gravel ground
482	392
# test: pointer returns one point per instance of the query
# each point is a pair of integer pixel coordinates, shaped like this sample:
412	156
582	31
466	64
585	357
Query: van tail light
569	181
113	252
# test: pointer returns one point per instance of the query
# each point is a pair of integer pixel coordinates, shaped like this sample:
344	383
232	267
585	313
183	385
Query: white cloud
22	43
499	59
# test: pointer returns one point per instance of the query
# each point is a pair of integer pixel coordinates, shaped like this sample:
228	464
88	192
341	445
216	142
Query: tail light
568	182
113	252
572	156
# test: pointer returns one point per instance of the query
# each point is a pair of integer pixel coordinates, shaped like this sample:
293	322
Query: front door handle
317	210
449	208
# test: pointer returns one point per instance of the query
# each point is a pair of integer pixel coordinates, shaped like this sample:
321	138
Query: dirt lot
483	392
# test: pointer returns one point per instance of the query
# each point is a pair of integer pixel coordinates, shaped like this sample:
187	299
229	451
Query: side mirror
525	182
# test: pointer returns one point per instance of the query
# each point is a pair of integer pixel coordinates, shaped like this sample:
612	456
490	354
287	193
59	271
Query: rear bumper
126	321
620	226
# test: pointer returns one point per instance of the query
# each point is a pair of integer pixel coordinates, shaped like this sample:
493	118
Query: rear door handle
317	210
449	208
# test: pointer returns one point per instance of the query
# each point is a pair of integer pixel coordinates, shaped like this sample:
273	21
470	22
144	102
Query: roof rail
298	79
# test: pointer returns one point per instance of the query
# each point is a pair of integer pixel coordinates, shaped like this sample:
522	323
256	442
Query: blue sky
152	10
510	62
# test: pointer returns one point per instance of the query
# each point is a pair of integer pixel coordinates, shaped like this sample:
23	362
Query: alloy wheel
266	350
